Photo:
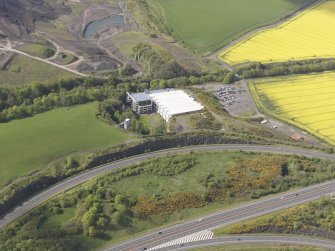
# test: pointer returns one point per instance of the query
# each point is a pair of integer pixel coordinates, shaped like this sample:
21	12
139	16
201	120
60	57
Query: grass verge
22	70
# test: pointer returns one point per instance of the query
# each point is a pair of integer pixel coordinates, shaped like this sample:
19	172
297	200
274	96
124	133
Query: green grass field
65	58
209	174
208	25
37	50
23	70
29	144
148	184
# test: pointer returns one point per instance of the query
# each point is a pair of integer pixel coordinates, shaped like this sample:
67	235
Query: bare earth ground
63	26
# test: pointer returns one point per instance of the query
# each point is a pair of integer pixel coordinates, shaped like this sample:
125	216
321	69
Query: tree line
99	209
26	101
259	70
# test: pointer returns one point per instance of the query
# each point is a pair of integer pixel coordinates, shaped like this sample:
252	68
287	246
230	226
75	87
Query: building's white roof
174	102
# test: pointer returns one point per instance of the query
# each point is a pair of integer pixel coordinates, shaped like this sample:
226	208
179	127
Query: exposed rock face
17	17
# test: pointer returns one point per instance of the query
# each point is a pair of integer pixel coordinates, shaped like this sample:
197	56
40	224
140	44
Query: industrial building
141	103
167	103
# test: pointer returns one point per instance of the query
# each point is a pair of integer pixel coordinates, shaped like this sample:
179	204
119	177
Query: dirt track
9	48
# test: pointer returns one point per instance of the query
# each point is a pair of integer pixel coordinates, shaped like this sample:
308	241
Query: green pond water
93	27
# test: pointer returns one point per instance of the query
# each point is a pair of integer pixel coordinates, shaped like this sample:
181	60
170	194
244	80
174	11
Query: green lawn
57	221
31	143
38	50
188	181
23	70
154	123
208	25
65	58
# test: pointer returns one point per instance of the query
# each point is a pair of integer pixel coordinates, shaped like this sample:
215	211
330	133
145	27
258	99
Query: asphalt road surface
256	240
228	217
77	180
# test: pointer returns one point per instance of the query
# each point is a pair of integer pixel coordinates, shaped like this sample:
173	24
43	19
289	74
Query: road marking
198	236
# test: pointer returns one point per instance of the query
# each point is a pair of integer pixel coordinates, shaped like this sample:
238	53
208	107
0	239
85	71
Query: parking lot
229	94
235	98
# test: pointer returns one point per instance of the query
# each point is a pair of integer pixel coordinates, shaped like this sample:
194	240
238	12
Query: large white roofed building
171	102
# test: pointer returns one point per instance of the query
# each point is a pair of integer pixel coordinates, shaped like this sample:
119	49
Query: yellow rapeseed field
306	101
309	35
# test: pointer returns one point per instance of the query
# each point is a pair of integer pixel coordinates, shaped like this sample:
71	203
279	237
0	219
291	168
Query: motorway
228	217
256	240
212	221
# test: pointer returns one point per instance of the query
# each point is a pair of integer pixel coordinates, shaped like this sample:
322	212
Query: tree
229	78
71	163
127	70
88	219
89	201
48	52
92	232
119	199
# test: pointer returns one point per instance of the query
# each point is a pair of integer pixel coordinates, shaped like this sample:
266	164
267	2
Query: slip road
227	217
264	207
257	240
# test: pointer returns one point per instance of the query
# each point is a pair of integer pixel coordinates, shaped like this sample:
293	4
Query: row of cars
228	94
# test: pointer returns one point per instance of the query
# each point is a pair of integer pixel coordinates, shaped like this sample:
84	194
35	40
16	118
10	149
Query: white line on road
199	236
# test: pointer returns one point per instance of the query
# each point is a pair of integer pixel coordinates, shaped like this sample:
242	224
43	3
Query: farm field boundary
200	25
312	33
275	104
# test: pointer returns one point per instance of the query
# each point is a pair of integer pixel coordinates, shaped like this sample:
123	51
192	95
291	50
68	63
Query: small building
141	103
127	124
297	137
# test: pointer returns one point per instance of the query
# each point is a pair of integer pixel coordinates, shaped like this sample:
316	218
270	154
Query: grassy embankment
313	219
160	192
29	144
207	26
23	70
65	58
38	50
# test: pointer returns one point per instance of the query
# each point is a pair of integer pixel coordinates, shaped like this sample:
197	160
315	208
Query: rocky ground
19	19
63	22
18	16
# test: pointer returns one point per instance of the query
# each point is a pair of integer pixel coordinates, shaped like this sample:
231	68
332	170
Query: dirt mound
17	17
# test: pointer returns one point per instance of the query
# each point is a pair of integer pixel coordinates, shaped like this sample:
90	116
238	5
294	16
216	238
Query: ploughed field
208	25
309	35
29	144
306	101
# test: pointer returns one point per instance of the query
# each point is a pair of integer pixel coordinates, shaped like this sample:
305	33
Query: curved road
257	240
310	193
227	217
